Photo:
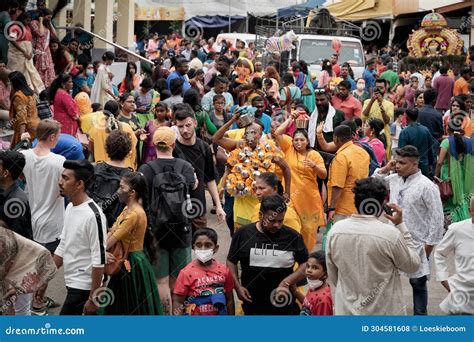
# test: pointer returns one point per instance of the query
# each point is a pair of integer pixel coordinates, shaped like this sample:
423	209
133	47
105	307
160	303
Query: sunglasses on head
319	91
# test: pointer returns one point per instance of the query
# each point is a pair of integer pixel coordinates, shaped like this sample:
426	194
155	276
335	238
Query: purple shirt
444	86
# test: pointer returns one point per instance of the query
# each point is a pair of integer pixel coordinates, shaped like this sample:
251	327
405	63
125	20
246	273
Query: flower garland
247	165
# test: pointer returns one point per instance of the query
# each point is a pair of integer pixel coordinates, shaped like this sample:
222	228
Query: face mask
204	255
123	197
314	284
360	86
89	72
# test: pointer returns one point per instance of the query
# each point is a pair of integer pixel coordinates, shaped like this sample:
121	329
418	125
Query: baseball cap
164	135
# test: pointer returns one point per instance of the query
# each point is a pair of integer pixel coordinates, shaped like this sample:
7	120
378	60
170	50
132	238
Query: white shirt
421	80
364	256
83	243
47	206
459	239
398	129
422	212
435	76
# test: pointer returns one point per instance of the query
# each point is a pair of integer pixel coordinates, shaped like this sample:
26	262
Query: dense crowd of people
109	181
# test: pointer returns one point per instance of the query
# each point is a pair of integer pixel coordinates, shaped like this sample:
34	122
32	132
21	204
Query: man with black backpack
108	174
169	182
198	153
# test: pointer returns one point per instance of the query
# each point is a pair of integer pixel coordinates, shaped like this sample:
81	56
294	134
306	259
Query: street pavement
436	293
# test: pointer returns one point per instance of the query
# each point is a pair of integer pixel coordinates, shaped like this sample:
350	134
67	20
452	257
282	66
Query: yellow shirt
243	207
236	134
351	163
90	120
291	220
130	228
98	135
375	113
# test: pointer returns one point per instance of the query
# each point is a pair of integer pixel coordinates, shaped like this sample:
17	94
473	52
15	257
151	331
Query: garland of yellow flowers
246	165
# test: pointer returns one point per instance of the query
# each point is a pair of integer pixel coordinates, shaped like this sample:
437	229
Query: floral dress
43	60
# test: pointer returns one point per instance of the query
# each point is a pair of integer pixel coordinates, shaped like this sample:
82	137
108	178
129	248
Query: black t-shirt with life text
199	156
266	259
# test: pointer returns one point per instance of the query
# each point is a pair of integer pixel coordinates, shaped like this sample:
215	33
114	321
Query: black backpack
169	199
104	191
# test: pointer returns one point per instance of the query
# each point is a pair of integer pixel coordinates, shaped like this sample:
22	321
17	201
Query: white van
314	48
232	37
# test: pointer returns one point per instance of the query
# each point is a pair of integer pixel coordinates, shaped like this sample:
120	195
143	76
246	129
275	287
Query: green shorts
171	261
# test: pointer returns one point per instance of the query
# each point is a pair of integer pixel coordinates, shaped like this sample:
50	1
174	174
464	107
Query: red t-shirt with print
318	302
198	280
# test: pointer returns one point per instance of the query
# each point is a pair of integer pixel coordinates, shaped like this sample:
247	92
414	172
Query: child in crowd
318	300
96	107
162	116
42	106
204	287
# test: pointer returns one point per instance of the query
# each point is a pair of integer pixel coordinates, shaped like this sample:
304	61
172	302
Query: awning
215	21
361	9
300	9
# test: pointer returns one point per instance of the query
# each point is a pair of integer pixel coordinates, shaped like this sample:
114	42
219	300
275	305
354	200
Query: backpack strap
178	167
98	220
155	168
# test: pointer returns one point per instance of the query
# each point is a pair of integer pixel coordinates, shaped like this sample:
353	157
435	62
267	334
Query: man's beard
323	108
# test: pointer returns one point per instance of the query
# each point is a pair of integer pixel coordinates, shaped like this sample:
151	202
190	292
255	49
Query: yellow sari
304	190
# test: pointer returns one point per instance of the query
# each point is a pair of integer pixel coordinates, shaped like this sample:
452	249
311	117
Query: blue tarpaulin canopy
300	9
215	21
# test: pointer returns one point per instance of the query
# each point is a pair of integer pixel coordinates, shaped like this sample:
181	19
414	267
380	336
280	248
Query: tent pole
229	18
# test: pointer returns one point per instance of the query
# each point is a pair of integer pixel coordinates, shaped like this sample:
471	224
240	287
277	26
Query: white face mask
314	284
204	255
360	86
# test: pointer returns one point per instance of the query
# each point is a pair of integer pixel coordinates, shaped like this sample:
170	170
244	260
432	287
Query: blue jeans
229	212
420	295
